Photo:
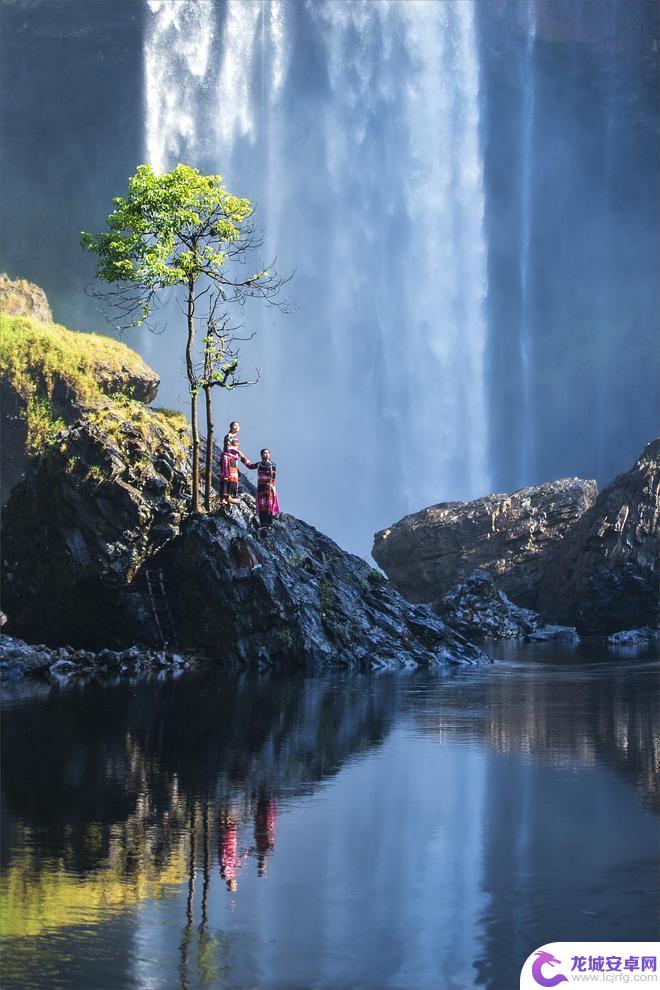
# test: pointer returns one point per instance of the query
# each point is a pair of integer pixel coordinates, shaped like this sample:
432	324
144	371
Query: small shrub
43	426
327	596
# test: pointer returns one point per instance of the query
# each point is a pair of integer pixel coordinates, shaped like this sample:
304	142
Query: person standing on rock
229	465
267	503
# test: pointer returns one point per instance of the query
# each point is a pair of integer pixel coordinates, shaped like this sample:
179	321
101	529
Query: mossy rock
50	376
22	298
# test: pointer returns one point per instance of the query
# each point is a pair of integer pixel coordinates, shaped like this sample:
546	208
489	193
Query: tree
178	228
219	370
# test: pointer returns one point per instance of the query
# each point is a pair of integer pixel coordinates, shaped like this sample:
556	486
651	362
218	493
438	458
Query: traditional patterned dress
229	465
267	503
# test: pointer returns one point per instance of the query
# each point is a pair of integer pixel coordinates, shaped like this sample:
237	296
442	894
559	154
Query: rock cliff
99	549
513	537
50	376
606	575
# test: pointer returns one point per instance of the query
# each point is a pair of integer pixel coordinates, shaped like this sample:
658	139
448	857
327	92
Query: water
420	830
371	188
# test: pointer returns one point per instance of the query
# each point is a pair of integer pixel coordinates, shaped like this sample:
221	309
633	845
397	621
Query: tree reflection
124	793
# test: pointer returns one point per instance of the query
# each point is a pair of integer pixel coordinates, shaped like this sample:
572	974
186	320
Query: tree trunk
190	370
208	472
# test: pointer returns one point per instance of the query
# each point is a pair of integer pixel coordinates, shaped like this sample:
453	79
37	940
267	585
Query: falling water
354	126
176	58
526	338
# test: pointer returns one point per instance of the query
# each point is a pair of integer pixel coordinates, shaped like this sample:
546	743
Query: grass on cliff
35	355
59	373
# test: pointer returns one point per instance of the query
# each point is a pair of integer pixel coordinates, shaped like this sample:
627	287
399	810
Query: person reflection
229	859
265	816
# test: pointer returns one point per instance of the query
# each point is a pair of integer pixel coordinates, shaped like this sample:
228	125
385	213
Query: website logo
600	965
546	959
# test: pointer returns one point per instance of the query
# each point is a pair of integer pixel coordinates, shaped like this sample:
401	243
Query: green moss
42	359
43	425
95	475
174	417
327	596
60	375
139	433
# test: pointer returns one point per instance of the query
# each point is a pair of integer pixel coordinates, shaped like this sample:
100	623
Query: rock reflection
112	797
571	718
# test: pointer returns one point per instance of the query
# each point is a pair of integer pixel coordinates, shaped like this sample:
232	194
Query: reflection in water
456	820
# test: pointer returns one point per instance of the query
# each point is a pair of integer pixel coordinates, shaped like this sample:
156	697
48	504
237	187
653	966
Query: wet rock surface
291	597
634	638
513	537
606	576
478	609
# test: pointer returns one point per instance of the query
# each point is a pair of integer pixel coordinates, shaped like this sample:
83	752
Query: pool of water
419	830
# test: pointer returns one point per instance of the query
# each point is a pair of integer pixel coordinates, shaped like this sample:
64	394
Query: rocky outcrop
105	517
512	536
100	552
634	638
606	576
18	297
50	376
294	598
109	493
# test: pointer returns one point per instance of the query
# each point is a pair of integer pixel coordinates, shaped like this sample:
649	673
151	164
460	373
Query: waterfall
526	338
176	56
355	128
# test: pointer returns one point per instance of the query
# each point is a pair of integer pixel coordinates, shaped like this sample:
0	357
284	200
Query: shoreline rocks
478	609
99	549
511	536
109	494
19	660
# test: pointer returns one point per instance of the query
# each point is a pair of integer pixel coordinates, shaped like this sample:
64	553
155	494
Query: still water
400	830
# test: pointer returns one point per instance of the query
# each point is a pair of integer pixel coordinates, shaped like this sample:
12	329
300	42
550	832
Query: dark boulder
478	609
512	536
606	576
292	597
